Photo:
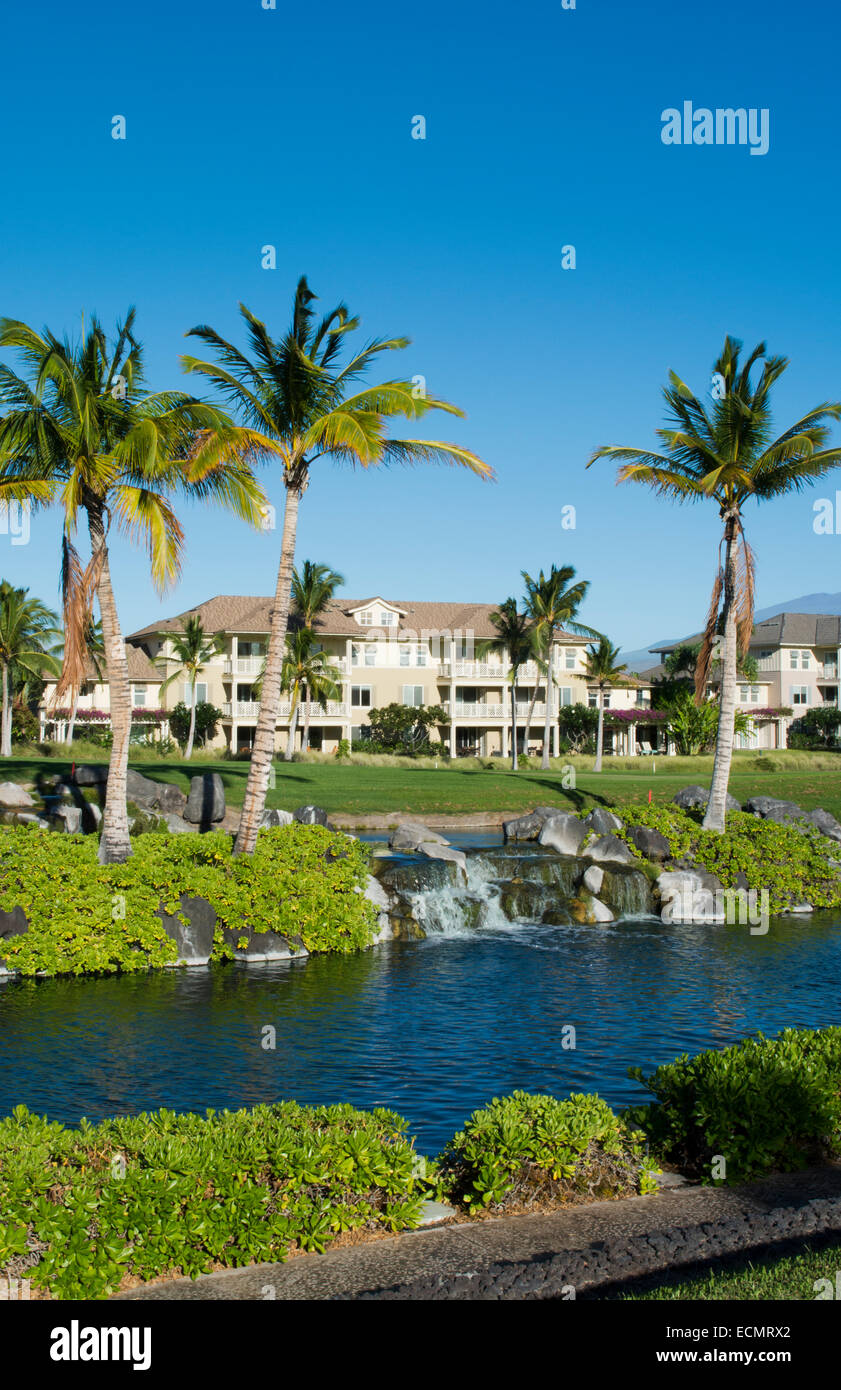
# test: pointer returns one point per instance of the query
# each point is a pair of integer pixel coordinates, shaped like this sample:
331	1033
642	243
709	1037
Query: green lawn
792	1276
348	789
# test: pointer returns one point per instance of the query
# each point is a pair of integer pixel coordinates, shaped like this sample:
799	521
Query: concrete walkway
583	1248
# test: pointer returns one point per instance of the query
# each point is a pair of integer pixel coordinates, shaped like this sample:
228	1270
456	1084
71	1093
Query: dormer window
387	618
366	619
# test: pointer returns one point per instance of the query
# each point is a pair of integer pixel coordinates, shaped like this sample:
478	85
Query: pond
430	1028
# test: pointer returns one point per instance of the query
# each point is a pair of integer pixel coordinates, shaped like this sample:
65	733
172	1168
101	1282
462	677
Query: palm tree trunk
514	764
547	723
74	710
717	804
115	844
293	725
254	800
305	740
5	726
600	734
530	716
188	752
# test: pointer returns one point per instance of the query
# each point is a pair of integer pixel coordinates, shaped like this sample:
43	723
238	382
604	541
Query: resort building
418	653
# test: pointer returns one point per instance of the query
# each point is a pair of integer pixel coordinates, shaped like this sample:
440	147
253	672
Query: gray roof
784	630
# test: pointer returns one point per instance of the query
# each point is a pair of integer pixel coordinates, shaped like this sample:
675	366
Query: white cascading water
459	909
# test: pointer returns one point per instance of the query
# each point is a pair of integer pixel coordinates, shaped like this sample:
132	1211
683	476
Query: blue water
431	1029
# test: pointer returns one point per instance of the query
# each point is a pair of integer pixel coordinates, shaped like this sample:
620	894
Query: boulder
265	946
311	815
30	818
686	897
411	836
588	910
272	820
67	820
13	923
773	809
602	821
91	775
195	938
384	904
825	823
447	853
155	796
593	879
691	797
14	797
206	802
608	849
562	832
649	842
528	827
798	909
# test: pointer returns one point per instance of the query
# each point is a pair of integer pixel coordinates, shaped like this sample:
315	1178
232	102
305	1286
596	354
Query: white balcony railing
249	709
459	710
253	665
493	669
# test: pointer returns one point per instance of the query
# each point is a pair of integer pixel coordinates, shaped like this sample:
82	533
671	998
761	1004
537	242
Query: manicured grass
775	1277
461	788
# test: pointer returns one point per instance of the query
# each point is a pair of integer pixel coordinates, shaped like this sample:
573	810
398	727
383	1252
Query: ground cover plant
793	867
762	1105
83	1211
521	1150
302	880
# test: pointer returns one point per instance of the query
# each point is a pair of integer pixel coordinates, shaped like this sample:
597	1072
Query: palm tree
312	589
80	430
516	639
192	649
542	671
603	671
726	452
306	669
301	407
552	602
27	626
95	653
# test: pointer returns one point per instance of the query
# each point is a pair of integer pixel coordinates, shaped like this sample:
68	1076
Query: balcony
249	709
459	711
494	669
253	665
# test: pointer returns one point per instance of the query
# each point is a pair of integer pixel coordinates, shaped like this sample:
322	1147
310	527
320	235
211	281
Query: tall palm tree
552	602
301	406
516	639
542	671
306	670
603	670
192	649
726	452
313	587
80	430
27	631
95	653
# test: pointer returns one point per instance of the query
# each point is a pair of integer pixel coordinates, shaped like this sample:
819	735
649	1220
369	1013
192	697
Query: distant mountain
808	603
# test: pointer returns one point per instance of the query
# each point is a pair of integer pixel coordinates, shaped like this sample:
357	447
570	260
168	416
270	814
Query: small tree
517	639
405	728
578	725
192	649
203	719
603	669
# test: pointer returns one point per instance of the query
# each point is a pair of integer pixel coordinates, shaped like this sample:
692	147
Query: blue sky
247	127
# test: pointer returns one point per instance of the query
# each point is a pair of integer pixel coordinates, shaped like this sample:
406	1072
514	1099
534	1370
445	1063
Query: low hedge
85	917
525	1149
792	866
763	1105
83	1211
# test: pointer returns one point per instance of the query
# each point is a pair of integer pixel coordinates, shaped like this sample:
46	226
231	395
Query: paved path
582	1248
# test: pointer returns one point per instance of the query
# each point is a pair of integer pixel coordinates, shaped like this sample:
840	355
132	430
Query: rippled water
430	1028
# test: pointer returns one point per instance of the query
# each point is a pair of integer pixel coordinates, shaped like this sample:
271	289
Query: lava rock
67	820
562	832
265	945
411	836
825	823
772	808
593	879
14	797
312	815
528	827
693	796
272	820
602	821
206	802
195	939
14	923
608	849
649	842
91	775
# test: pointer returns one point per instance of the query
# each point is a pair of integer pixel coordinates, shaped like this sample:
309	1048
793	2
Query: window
251	648
201	693
370	653
805	660
387	619
754	694
362	696
569	659
593	699
140	697
366	619
354	655
412	694
606	700
421	656
765	654
793	657
565	693
800	694
744	692
405	654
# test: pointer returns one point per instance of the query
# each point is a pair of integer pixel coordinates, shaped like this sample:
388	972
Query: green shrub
765	1104
526	1148
793	867
301	880
143	1196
